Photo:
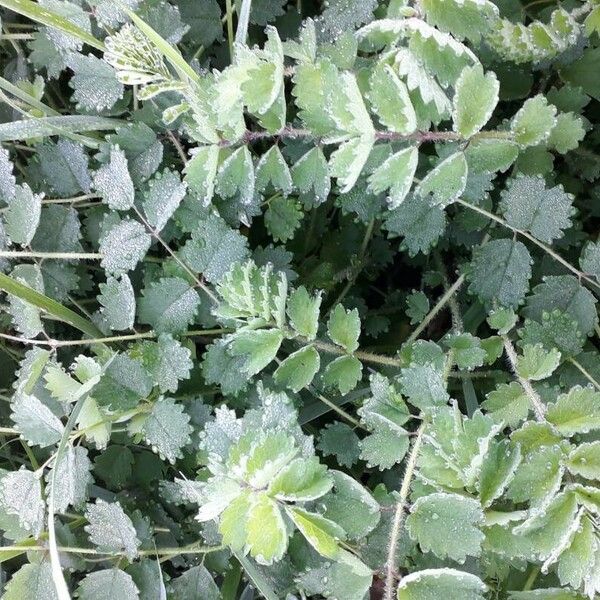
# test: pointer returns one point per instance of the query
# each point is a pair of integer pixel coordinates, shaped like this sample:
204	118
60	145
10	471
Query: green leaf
390	100
534	121
537	363
25	315
343	328
424	386
508	403
321	533
584	460
500	271
167	361
576	563
123	245
267	537
71	479
164	194
343	373
303	312
114	465
33	581
468	353
491	155
167	429
38	425
298	370
339	440
113	182
497	470
420	223
436	519
396	174
214	248
110	529
566	294
236	176
302	480
347	162
22	216
96	585
590	260
567	133
577	411
282	218
196	582
432	584
474	100
446	182
169	305
258	347
310	175
528	205
94	82
118	303
272	169
21	496
201	172
385	447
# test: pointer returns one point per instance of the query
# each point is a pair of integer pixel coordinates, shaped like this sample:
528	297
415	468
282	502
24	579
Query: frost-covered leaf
236	176
165	192
311	174
21	496
391	103
497	470
71	479
590	259
272	169
339	440
534	121
347	162
343	327
446	182
385	447
537	363
528	205
22	216
474	100
123	246
301	480
577	411
94	82
258	347
7	179
447	525
343	373
423	385
395	175
469	19
298	369
433	584
38	425
65	167
114	582
321	533
201	172
585	460
110	529
266	531
196	582
118	303
33	581
500	272
113	182
303	312
167	361
167	429
282	218
25	316
467	350
567	133
169	305
214	248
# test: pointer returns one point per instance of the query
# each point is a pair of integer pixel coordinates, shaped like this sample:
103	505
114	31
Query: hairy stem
536	402
390	578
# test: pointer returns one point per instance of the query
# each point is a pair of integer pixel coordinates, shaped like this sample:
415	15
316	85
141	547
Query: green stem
51	255
230	34
533	575
585	373
390	578
557	257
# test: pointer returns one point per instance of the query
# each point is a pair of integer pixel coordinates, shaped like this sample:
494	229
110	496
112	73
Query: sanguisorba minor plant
299	299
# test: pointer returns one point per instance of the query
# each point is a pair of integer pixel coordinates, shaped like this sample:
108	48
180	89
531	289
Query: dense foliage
299	299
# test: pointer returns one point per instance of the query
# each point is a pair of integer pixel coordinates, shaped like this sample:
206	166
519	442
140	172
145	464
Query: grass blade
33	128
44	16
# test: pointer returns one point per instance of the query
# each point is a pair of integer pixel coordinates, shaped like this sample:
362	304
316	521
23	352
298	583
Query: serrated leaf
21	495
214	248
474	101
33	581
343	328
347	162
258	347
584	460
167	429
236	176
25	316
577	411
500	271
390	100
110	529
528	205
467	351
303	312
432	584
343	373
534	121
94	82
320	532
22	216
38	425
497	470
424	385
298	370
282	218
272	169
72	479
123	245
118	303
567	133
165	192
119	584
339	440
169	305
508	403
536	363
385	447
168	362
446	182
201	172
266	532
113	182
302	480
7	179
196	582
447	525
491	155
311	174
396	174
